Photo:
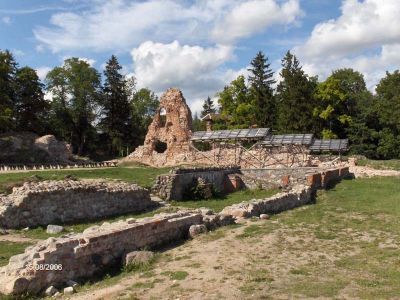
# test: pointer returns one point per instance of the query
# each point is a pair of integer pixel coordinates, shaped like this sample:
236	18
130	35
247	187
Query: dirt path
360	172
258	260
16	238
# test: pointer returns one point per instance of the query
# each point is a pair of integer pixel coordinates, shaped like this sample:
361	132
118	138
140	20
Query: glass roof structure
234	134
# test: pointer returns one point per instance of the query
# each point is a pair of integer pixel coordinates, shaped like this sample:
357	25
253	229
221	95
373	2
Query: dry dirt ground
362	171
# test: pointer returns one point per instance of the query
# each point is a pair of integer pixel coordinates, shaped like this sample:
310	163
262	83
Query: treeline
339	107
100	117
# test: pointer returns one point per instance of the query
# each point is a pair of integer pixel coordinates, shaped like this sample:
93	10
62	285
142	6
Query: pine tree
295	98
208	107
31	110
261	91
115	107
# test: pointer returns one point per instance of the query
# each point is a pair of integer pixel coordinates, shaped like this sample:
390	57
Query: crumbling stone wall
82	255
64	201
174	185
173	129
298	196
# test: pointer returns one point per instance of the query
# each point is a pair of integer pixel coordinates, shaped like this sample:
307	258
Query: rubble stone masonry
72	257
65	201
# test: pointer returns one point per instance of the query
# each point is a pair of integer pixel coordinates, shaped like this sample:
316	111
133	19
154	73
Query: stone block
54	229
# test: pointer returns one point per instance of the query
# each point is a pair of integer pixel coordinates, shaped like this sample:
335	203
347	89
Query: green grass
218	204
143	176
367	207
392	164
8	249
177	275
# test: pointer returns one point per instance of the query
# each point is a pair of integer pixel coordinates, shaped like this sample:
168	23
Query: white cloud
121	24
195	70
365	37
254	16
6	20
42	72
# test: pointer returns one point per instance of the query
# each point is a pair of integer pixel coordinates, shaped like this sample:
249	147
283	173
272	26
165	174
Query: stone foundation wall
174	185
82	255
52	202
298	196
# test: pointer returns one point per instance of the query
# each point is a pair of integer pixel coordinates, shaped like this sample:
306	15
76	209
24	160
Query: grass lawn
345	246
392	164
8	249
217	204
144	176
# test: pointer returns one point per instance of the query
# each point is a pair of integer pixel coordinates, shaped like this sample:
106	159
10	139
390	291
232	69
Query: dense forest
101	117
339	107
104	115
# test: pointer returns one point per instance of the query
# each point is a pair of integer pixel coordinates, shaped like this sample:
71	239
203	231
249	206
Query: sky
200	46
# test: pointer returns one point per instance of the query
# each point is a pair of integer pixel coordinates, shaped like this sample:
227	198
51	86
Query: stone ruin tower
168	137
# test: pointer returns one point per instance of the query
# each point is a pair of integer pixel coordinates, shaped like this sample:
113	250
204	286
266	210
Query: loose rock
69	290
195	230
50	291
138	257
264	217
54	229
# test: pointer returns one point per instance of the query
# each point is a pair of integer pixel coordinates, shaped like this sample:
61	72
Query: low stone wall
82	255
65	201
174	185
298	196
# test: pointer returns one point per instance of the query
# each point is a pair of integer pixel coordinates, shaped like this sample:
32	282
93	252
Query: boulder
264	217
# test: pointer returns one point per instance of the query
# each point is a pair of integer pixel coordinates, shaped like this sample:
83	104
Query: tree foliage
208	107
295	97
261	91
116	114
8	69
76	90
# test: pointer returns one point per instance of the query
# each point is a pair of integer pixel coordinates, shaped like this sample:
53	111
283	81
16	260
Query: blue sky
199	46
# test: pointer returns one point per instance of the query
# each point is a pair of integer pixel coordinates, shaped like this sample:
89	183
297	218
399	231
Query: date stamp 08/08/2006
46	267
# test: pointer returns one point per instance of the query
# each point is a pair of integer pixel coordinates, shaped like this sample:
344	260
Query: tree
8	69
197	124
235	104
31	109
261	91
116	114
295	98
388	107
337	99
144	105
76	94
363	131
208	107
